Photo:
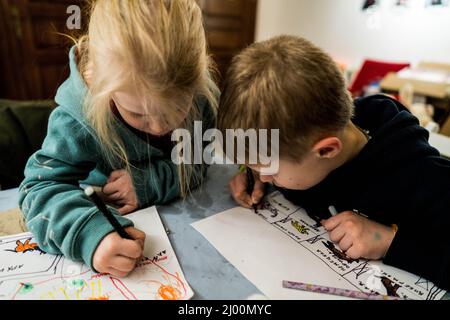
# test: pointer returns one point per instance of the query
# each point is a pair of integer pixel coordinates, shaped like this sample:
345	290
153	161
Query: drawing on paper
336	252
365	275
26	272
26	246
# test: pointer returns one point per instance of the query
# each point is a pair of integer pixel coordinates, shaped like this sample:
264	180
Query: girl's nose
157	127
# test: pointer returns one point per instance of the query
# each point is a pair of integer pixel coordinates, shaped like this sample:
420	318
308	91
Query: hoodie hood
72	93
396	134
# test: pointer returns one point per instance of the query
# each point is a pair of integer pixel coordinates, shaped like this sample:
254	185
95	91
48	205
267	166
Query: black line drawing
356	272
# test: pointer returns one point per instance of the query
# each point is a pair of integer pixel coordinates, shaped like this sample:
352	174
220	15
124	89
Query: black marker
251	186
89	191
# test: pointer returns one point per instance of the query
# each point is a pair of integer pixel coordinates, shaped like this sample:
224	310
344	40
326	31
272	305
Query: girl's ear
327	148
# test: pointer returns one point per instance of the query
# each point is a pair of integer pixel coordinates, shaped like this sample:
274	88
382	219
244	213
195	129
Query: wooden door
34	52
230	27
33	56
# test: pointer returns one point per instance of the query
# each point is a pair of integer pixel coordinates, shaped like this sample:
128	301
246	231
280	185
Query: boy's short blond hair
286	83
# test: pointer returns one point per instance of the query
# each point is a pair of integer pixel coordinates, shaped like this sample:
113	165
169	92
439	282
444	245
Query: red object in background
369	3
372	71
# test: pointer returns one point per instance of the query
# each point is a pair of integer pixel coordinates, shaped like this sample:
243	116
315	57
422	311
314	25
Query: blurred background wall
342	28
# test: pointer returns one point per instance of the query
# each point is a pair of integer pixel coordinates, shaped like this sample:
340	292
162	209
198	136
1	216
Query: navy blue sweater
397	178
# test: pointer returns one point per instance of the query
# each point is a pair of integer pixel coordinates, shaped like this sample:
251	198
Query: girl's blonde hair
156	47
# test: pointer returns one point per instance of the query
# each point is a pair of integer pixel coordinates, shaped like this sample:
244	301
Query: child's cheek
296	183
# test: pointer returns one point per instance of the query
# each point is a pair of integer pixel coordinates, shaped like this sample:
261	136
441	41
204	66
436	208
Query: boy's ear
327	148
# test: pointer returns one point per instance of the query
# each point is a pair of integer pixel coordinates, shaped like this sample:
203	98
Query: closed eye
131	113
136	115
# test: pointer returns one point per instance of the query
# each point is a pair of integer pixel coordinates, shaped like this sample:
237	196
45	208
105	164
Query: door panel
33	55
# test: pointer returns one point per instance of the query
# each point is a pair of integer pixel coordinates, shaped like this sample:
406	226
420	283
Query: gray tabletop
210	275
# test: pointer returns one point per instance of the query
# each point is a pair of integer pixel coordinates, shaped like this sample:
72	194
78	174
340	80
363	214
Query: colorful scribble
168	292
78	289
172	289
100	298
26	287
25	275
299	227
122	288
76	283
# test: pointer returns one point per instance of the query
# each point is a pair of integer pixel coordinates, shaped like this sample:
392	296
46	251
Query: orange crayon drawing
99	298
26	246
167	292
173	289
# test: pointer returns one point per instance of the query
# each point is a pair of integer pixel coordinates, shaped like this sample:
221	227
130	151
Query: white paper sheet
282	242
28	273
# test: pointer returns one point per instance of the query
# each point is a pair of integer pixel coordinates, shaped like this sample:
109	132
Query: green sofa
23	127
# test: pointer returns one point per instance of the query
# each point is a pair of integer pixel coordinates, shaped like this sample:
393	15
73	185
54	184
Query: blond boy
367	158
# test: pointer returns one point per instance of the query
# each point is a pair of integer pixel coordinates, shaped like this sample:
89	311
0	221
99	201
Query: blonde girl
140	72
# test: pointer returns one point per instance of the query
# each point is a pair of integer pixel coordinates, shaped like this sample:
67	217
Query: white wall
350	35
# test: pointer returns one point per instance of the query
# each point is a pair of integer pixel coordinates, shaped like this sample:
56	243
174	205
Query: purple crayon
336	291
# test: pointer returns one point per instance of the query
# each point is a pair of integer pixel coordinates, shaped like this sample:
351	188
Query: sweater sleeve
62	219
421	245
156	183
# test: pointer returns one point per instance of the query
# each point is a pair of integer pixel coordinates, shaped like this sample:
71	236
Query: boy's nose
265	178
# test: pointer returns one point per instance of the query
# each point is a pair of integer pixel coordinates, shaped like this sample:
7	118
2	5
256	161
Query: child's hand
358	236
119	190
118	256
238	186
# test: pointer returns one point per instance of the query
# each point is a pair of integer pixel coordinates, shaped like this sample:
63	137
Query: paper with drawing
26	272
282	242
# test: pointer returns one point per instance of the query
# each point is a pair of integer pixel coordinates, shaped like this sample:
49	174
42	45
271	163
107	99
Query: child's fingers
137	235
353	252
243	203
122	263
241	193
129	248
115	175
127	208
258	192
331	223
337	234
334	221
114	196
116	273
346	243
238	186
243	198
110	188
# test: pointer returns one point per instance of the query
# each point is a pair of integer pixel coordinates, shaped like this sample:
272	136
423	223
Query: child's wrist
393	231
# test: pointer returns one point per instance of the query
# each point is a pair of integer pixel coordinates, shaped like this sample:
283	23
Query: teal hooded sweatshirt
62	219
